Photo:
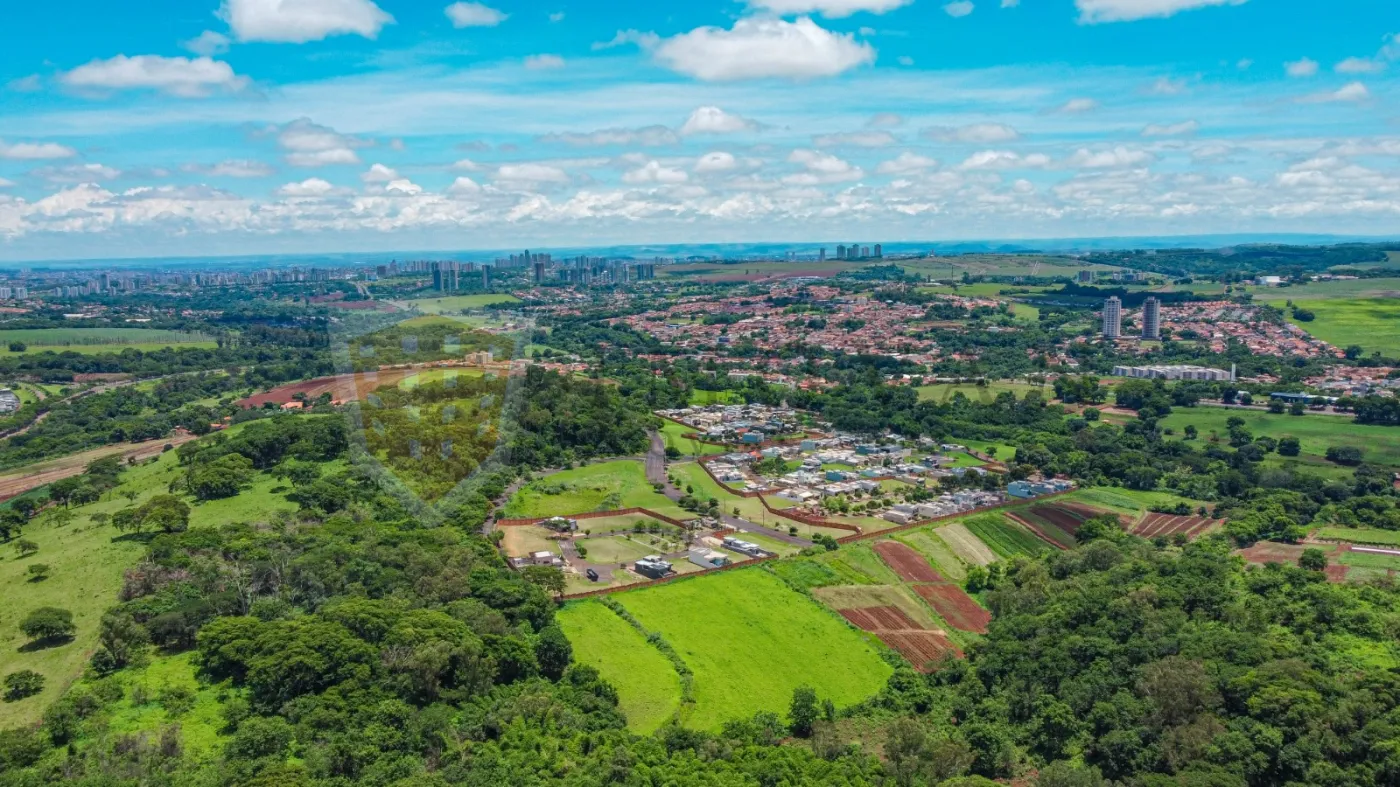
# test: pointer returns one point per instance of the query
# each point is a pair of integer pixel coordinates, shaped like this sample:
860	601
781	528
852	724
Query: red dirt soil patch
877	619
956	607
1065	519
1168	524
906	562
920	647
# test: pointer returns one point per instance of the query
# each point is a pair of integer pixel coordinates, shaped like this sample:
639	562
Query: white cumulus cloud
959	8
1108	159
473	15
300	21
1077	105
975	133
716	161
378	173
234	168
35	151
1303	67
1005	159
207	44
311	187
655	172
1349	93
650	136
310	145
857	139
757	48
905	164
531	174
464	185
713	120
1096	11
831	9
1359	65
177	76
821	168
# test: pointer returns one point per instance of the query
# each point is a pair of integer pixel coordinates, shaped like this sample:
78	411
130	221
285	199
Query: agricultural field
459	303
985	394
755	271
1364	312
750	640
648	688
1317	433
432	376
674	436
93	341
607	486
999	265
1005	537
1359	535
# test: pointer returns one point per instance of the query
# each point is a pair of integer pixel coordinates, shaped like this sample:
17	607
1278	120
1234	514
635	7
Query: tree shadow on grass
34	646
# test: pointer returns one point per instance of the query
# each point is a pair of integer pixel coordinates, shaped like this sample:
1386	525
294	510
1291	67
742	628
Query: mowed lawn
602	487
648	688
674	435
944	392
751	640
457	303
1316	433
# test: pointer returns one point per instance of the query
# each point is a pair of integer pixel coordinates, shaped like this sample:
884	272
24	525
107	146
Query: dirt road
15	484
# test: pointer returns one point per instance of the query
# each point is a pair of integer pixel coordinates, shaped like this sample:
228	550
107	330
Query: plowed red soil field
906	562
1168	525
956	607
877	619
920	647
1265	552
1064	518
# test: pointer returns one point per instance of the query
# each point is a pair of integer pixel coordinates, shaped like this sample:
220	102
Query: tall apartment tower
1152	319
821	255
1112	318
1086	277
539	273
840	252
879	251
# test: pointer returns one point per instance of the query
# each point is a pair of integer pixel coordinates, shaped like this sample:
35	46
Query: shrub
25	683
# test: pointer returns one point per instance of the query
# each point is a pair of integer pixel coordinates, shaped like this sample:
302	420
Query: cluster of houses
1027	490
945	505
749	424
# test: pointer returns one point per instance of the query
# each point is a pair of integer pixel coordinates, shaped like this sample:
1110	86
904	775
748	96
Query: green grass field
648	688
1317	433
674	435
751	640
1364	312
1003	452
701	398
1004	537
429	376
87	562
458	303
1359	535
601	487
1129	501
92	341
986	394
199	727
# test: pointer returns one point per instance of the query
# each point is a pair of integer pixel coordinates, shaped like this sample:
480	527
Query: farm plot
1266	552
1155	525
1006	538
938	553
1043	529
906	562
965	545
750	640
956	607
915	643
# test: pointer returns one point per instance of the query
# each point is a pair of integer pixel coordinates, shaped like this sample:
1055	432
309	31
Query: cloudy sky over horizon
259	126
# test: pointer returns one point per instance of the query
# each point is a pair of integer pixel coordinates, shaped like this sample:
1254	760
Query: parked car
592	575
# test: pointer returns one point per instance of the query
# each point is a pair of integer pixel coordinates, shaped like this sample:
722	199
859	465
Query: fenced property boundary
592	515
654	582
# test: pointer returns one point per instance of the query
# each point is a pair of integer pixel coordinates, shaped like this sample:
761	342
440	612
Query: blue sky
206	127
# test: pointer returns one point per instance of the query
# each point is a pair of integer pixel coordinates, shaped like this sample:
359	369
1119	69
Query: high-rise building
485	278
840	252
865	251
1152	319
821	255
539	273
1086	277
1112	318
879	252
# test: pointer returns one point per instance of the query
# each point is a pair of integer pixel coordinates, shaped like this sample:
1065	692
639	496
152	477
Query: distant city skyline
219	127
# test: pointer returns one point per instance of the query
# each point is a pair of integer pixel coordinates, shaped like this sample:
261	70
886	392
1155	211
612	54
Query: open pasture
92	341
1315	432
750	640
458	303
607	486
648	688
943	393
